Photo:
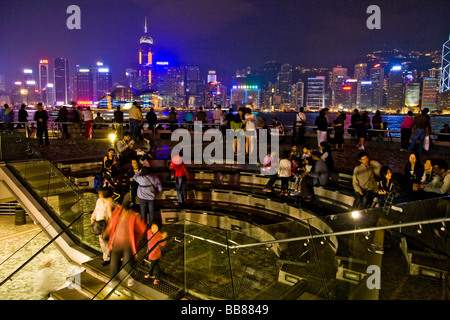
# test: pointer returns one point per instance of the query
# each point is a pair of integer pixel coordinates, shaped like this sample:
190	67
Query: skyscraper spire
145	28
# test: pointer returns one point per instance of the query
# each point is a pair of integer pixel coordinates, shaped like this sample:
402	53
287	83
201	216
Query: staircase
88	283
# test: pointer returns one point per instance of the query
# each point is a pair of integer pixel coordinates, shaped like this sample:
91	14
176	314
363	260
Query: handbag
426	143
98	227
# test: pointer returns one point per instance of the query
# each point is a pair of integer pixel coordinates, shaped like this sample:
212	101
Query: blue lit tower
445	67
145	60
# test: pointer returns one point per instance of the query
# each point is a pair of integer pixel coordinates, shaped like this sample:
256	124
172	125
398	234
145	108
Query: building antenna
145	28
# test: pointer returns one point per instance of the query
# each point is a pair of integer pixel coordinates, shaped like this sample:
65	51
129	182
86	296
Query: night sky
224	35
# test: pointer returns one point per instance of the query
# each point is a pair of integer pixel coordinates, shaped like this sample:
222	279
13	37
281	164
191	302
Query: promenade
385	152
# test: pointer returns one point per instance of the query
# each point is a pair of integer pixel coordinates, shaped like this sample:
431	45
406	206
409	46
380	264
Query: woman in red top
180	174
156	241
405	131
125	229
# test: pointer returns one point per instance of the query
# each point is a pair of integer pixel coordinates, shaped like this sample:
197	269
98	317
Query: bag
426	143
98	227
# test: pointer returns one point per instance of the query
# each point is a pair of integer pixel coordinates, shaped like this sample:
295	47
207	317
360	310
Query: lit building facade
245	95
430	89
145	60
285	83
412	95
297	95
43	81
101	81
61	81
365	94
315	98
377	79
396	96
82	86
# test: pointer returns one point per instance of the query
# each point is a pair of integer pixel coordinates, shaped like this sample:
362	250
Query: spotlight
443	226
367	235
112	137
355	214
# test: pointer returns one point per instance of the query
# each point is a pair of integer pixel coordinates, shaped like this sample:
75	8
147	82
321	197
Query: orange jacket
155	254
136	226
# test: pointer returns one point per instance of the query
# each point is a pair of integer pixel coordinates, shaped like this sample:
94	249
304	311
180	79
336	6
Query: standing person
98	121
322	127
250	128
405	131
125	148
135	167
201	115
216	116
152	120
88	120
377	120
223	123
41	118
301	123
364	181
101	214
237	126
421	129
75	118
229	117
364	126
339	127
125	229
135	119
189	119
118	122
22	117
156	241
180	174
173	119
63	117
148	189
354	122
284	172
81	118
7	116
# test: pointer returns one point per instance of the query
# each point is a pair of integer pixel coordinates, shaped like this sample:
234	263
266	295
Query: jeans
180	186
147	207
41	132
405	135
154	269
363	201
418	134
134	129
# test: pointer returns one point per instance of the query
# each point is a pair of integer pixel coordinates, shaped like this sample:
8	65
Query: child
295	153
284	173
297	172
155	255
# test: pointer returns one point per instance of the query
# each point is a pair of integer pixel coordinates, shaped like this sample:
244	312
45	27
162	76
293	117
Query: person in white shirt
216	116
284	172
88	120
250	128
102	212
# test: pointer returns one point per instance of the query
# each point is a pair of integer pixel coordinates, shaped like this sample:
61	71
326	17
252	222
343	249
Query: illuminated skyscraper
316	93
337	72
430	89
82	86
101	81
212	77
396	96
285	83
297	96
445	67
145	60
412	95
365	94
377	78
61	85
43	81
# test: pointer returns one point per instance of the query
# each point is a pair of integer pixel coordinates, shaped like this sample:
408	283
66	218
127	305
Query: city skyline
303	33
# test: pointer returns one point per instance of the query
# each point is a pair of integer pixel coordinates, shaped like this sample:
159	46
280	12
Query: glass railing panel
207	264
132	282
48	183
267	271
